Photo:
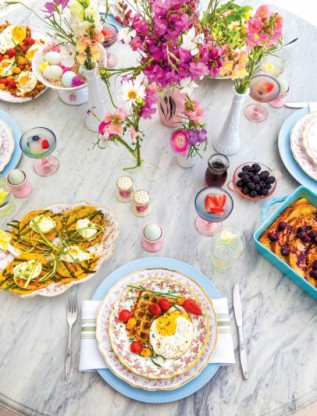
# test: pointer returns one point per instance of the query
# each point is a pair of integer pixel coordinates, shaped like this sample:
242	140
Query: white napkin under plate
91	359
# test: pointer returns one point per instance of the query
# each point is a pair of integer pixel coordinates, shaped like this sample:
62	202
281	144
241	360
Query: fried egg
27	269
6	66
26	82
172	334
44	223
11	36
86	228
33	49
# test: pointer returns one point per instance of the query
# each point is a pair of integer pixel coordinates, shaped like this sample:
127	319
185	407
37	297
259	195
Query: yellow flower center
132	95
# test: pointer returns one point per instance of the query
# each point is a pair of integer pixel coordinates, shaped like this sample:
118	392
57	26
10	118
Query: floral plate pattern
112	360
6	144
105	249
298	149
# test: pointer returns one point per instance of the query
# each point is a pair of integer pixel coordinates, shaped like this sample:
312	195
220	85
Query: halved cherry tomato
11	52
155	309
125	315
11	83
191	306
165	304
136	347
23	48
29	41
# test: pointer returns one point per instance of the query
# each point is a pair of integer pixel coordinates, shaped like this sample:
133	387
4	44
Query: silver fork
71	319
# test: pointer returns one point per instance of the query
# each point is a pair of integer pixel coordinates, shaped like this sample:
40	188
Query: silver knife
238	315
312	106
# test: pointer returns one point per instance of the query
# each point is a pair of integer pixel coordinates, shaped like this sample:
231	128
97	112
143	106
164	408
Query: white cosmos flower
132	92
187	85
126	34
68	53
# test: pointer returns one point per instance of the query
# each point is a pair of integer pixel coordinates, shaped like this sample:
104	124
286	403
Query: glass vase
185	162
228	142
96	103
171	104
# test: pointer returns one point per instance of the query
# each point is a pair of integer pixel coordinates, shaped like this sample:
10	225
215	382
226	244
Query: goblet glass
38	143
110	33
208	223
263	89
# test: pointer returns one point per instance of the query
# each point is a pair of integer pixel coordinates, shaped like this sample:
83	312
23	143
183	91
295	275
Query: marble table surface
280	319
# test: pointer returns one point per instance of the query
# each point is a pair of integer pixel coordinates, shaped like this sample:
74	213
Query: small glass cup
226	247
216	173
6	198
38	143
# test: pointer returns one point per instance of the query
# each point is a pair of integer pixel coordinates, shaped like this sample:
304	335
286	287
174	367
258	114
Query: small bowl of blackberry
254	181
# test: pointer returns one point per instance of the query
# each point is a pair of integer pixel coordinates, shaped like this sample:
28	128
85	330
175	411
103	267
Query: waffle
141	331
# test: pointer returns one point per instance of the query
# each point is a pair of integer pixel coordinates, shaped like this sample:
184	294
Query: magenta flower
198	69
49	8
77	81
179	141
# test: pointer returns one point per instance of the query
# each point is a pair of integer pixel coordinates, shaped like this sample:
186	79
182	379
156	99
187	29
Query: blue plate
286	154
157	396
16	156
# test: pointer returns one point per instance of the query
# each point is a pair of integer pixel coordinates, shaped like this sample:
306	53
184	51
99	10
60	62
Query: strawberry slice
269	87
215	204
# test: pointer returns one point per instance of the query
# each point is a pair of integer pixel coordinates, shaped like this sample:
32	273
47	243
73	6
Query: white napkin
91	359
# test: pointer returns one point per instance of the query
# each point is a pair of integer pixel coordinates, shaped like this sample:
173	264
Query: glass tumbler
226	247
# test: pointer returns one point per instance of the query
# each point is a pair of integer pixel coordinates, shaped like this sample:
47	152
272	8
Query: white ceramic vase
228	142
96	103
185	162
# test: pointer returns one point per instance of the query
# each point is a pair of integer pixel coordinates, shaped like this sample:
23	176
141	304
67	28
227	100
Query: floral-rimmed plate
298	149
6	144
104	249
112	360
310	138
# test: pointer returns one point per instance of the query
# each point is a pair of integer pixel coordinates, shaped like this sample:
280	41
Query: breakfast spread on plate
293	238
51	246
18	45
161	322
6	144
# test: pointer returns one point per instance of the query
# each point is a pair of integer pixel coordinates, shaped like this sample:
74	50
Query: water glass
226	247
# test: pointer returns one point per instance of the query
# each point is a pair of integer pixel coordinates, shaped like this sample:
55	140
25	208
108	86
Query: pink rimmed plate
104	249
298	149
111	358
6	144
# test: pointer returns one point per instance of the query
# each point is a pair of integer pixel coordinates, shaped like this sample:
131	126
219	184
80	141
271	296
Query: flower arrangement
140	100
254	37
192	134
174	49
76	28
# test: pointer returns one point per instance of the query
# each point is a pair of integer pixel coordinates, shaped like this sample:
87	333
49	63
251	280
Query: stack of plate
10	151
298	147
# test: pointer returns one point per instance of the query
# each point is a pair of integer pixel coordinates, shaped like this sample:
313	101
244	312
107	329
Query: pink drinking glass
38	143
263	89
110	33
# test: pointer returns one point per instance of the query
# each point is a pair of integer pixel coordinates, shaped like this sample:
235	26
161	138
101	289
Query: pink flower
133	134
115	129
179	141
121	114
102	128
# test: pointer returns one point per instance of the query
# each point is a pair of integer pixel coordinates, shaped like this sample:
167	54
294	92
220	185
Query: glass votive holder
18	183
124	192
141	205
226	247
6	198
152	237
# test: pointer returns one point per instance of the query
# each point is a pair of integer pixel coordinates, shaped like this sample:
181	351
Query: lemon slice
228	236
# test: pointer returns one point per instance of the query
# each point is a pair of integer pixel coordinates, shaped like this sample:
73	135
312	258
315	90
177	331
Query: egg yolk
18	33
166	324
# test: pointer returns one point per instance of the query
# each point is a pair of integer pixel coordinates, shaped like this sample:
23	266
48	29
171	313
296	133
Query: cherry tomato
155	309
125	315
165	304
3	81
29	41
191	306
11	52
11	83
136	347
22	47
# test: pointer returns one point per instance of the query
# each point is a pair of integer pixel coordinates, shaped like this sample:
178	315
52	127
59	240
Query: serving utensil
311	105
71	319
238	315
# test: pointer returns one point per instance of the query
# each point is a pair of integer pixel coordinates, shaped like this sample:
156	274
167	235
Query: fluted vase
228	142
96	103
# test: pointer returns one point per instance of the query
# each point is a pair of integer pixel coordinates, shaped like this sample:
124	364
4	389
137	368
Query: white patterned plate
298	149
112	360
105	249
310	138
6	144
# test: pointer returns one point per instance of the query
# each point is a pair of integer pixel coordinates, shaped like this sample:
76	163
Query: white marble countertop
280	319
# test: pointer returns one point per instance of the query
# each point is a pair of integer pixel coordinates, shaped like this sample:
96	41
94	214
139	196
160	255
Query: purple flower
49	8
77	81
197	69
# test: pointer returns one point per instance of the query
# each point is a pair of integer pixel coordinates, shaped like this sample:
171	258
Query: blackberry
265	191
240	174
245	190
270	179
285	251
246	168
256	167
257	188
273	236
256	179
313	235
262	184
306	238
282	226
313	273
251	185
253	194
264	174
240	183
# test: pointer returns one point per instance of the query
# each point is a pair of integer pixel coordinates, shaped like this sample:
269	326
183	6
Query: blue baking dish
301	192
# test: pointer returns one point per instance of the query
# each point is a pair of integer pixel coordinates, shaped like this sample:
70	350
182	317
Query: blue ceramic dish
300	192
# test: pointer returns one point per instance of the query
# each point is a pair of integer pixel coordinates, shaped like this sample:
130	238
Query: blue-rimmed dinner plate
286	154
16	156
157	396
